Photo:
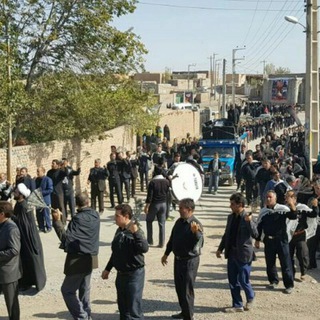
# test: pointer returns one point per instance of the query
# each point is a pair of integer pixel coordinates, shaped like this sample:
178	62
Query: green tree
61	55
83	106
282	70
69	34
270	68
167	75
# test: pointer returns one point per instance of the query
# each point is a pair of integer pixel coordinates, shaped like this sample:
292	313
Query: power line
254	15
207	8
277	42
273	25
256	33
265	42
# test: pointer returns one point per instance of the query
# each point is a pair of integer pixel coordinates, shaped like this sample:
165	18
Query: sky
179	33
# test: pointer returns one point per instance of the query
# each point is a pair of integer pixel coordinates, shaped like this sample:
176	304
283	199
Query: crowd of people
80	237
274	176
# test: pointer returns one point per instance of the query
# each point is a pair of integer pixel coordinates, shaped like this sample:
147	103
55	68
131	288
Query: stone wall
84	152
78	151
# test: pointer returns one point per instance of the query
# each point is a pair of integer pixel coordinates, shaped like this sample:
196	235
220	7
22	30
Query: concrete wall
180	122
147	76
239	79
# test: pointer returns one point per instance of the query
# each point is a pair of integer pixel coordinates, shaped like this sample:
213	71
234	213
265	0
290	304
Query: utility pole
190	65
9	100
234	74
216	76
264	68
312	85
214	72
211	81
223	115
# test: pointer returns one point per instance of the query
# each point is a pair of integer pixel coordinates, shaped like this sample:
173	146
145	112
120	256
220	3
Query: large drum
186	182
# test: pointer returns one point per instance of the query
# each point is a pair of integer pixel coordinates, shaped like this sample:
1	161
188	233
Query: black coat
97	177
31	253
80	241
10	265
246	231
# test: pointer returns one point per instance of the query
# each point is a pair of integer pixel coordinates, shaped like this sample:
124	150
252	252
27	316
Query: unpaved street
212	292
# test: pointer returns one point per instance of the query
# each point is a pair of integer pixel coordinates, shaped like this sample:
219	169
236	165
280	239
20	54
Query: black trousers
272	248
313	243
126	184
298	244
251	191
133	186
144	177
57	202
115	186
11	292
69	201
96	193
129	294
185	272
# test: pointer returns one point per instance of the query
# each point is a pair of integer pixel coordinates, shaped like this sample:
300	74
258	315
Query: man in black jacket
67	184
57	199
263	175
81	242
26	179
113	167
272	222
10	271
128	247
125	174
97	178
156	205
185	242
214	169
248	173
237	244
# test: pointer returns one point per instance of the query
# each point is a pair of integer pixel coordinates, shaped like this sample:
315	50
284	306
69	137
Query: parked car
182	106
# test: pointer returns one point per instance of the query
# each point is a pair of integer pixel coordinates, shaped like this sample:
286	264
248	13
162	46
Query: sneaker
272	286
177	316
170	218
234	310
302	278
249	305
214	192
288	290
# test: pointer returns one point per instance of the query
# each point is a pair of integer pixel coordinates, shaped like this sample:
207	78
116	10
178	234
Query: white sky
178	33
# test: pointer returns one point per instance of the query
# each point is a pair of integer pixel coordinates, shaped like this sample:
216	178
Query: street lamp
311	83
190	65
294	20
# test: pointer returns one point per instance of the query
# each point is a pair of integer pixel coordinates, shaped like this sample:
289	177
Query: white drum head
186	182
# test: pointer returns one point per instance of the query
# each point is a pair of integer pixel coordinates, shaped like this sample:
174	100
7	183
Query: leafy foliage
271	69
83	106
70	34
61	54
